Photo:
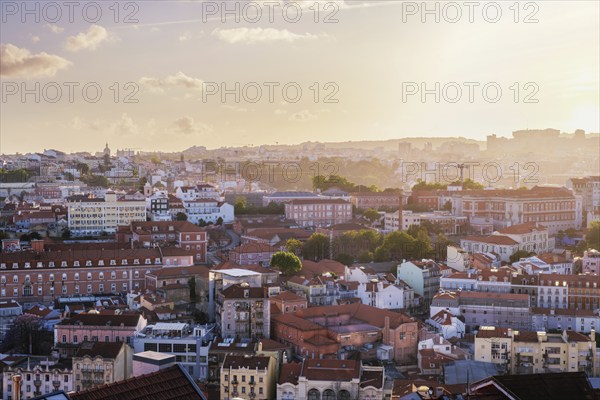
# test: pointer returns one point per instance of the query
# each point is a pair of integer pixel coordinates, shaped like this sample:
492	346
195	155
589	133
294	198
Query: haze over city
367	51
299	200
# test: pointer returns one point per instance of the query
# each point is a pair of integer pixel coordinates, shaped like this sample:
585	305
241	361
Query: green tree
181	216
345	259
28	335
316	247
240	206
219	221
286	262
592	237
83	168
202	223
293	245
371	214
192	286
516	256
447	206
365	257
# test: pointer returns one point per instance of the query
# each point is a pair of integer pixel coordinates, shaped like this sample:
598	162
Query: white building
188	343
93	216
449	223
447	325
208	210
385	295
590	263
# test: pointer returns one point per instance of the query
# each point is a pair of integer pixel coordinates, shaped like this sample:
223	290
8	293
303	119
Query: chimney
16	387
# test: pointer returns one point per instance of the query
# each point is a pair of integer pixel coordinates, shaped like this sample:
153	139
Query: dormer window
76	263
15	265
113	262
40	264
100	263
63	264
124	262
88	263
148	262
27	265
157	260
3	266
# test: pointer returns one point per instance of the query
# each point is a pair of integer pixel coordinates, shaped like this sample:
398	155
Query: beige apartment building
251	378
99	363
526	352
93	216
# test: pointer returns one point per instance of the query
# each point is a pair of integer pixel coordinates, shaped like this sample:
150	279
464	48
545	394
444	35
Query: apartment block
93	216
318	212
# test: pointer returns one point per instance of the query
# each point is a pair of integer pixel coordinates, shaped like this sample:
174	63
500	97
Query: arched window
344	395
329	395
313	394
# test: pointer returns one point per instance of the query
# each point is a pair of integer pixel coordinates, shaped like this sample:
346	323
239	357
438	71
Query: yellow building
93	216
248	377
525	352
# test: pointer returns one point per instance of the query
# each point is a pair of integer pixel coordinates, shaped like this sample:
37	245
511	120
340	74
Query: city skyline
371	61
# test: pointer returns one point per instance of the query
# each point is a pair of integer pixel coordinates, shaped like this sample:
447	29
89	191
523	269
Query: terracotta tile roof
494	332
522	228
103	349
321	267
317	201
371	315
573	336
255	248
295	322
254	362
167	384
286	295
371	378
201	270
102	320
330	370
290	373
492	239
443	317
238	292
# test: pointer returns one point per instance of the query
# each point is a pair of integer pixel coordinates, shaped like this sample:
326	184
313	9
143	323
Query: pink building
319	212
94	327
253	253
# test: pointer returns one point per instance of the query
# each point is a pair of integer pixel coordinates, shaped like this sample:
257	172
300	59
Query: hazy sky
371	57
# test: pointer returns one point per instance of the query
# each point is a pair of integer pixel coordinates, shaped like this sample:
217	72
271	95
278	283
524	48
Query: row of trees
241	207
369	245
466	184
322	182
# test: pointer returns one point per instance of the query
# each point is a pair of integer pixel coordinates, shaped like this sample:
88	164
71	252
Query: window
313	394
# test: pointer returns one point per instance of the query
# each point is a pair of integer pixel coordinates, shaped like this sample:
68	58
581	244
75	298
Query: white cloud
260	35
187	126
54	28
180	80
302	116
280	112
19	62
35	39
125	126
89	40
